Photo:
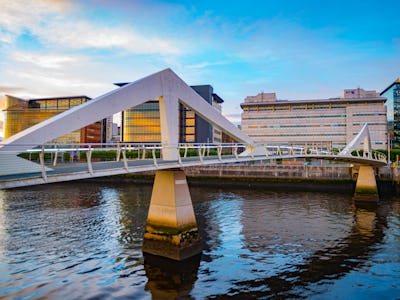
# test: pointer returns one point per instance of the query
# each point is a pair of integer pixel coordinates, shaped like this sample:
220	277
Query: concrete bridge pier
366	187
171	229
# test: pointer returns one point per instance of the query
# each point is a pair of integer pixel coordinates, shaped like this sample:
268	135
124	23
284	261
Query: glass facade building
392	93
20	115
141	124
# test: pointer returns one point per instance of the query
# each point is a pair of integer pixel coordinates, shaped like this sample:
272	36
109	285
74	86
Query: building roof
316	101
25	103
217	98
61	98
18	106
121	83
397	81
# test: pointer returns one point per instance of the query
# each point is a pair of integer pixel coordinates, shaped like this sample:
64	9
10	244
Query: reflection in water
170	279
81	240
329	263
3	233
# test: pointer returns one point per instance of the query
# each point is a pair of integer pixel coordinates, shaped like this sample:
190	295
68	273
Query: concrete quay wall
334	178
272	171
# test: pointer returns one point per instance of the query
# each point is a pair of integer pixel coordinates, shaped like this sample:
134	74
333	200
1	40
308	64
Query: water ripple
83	241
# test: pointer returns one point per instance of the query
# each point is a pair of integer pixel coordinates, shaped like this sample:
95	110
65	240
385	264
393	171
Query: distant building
20	114
329	123
141	124
392	93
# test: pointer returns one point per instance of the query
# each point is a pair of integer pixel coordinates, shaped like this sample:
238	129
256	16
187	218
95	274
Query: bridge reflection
252	247
327	263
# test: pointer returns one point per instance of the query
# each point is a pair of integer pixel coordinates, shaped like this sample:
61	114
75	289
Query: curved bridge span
133	158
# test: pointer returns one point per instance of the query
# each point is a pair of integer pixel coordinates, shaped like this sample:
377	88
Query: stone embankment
328	177
300	177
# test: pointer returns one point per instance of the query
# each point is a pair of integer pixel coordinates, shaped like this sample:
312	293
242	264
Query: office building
392	93
328	123
20	114
141	124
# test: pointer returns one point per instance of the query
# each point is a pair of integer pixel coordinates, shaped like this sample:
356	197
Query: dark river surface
83	241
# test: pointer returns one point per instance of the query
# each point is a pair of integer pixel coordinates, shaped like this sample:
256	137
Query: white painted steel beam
362	137
164	85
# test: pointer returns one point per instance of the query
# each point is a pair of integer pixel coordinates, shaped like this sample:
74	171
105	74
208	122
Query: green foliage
393	154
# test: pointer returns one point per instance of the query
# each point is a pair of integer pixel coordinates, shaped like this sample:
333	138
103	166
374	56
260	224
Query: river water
83	241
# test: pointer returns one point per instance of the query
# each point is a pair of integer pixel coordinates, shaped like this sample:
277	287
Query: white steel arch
165	86
362	137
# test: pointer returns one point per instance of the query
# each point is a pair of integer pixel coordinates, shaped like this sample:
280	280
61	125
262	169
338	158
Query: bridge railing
56	154
375	155
285	150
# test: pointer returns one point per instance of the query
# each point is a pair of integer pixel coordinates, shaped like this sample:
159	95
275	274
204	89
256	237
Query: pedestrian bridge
171	229
60	163
170	91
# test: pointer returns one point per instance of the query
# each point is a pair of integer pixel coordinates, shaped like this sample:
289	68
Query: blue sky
298	49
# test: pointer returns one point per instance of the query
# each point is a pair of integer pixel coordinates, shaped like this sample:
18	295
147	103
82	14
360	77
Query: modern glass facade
25	114
141	124
392	93
187	125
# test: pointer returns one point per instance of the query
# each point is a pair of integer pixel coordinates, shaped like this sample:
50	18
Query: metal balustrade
153	151
77	161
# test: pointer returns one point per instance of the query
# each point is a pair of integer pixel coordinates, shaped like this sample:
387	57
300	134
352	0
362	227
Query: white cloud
6	37
82	34
15	16
56	23
39	83
49	74
207	64
51	61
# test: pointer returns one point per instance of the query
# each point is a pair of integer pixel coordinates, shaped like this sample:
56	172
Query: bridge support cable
138	153
171	229
55	158
266	151
153	154
143	152
42	166
89	160
362	137
124	159
179	155
118	152
235	151
219	152
200	153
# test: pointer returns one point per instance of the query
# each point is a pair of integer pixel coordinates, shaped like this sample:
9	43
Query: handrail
203	149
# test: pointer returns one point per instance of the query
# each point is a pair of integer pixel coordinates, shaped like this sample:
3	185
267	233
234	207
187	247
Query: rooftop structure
359	94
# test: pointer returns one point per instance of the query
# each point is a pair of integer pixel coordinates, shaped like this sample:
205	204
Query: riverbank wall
335	178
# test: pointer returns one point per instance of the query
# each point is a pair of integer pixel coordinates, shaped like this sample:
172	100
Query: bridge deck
76	171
